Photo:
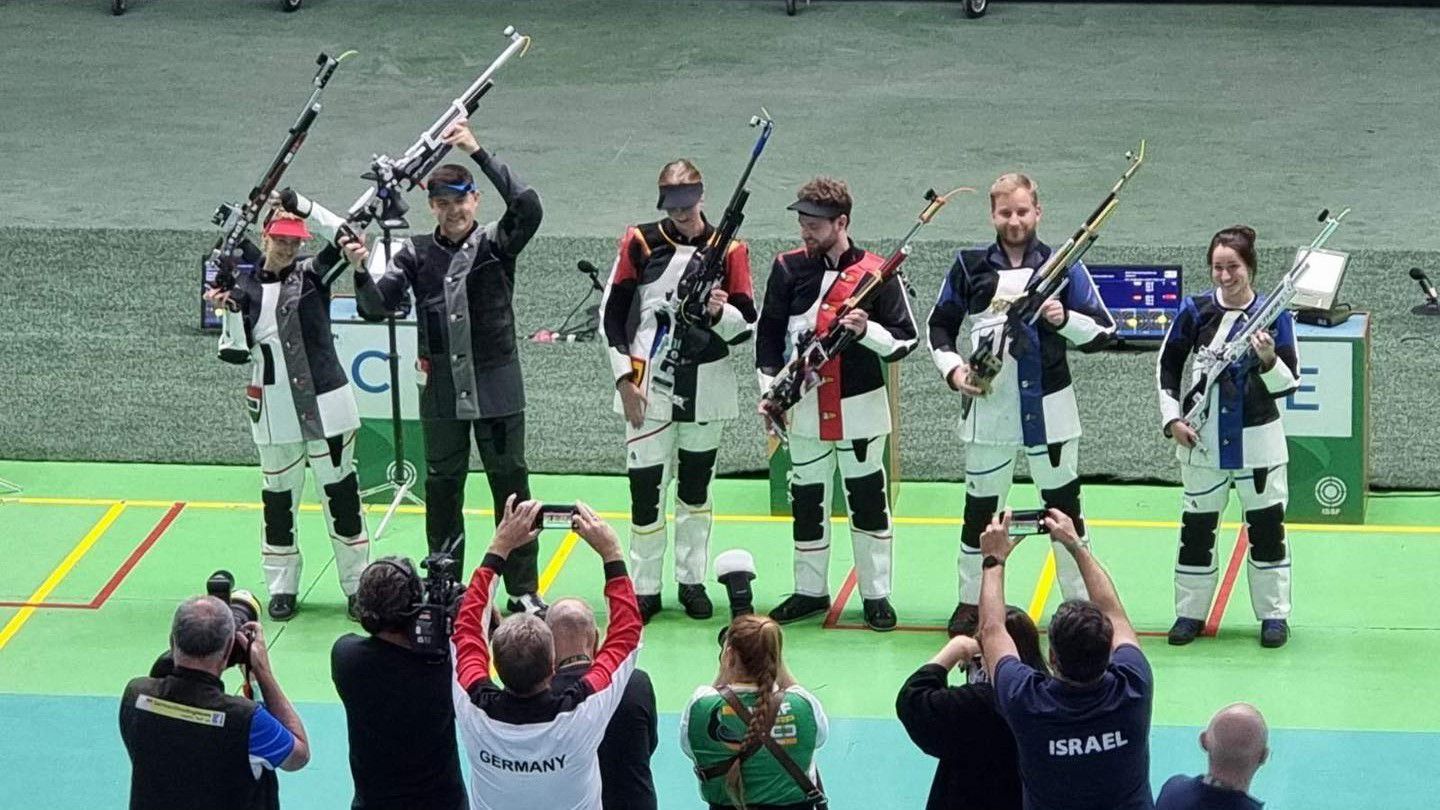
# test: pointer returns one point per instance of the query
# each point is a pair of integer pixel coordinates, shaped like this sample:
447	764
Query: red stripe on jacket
622	636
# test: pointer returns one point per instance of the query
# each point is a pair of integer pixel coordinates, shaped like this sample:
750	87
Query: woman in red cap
302	412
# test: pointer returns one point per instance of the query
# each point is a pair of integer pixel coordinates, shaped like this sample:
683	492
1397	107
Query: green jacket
710	733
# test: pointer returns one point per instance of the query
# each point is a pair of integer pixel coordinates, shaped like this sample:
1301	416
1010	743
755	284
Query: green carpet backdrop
104	362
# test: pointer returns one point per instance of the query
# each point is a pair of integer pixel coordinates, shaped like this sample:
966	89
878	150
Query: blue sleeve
943	325
1285	348
269	740
1013	682
1131	664
1088	323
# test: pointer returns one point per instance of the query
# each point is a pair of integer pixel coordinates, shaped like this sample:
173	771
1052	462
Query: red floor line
1232	572
119	575
134	559
935	628
838	606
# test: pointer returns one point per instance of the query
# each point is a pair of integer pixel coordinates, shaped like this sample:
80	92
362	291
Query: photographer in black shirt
398	706
960	726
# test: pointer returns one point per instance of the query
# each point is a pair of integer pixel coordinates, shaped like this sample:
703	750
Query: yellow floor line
557	561
51	582
1109	523
1042	587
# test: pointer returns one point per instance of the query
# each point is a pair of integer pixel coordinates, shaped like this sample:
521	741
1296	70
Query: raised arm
1097	580
471	638
377	298
995	543
616	658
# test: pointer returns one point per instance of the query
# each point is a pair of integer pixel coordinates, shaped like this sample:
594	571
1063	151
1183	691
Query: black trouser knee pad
344	498
692	485
1197	538
866	497
807	505
645	495
1067	499
1267	533
979	511
279	520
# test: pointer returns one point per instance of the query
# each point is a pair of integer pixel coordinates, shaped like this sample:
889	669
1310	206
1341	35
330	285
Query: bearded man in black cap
846	419
674	417
463	279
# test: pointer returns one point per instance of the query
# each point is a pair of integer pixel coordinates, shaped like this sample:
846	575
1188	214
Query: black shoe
352	608
1184	631
282	607
798	606
879	615
649	606
527	603
696	603
965	621
1274	632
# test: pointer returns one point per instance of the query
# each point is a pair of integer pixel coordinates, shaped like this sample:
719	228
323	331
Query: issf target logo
1330	494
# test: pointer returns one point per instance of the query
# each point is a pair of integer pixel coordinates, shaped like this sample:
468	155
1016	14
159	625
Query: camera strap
814	791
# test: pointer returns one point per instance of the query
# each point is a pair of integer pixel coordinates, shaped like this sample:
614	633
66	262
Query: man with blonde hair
1237	743
1030	405
674	417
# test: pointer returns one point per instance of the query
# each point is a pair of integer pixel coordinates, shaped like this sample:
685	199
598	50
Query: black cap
685	195
815	208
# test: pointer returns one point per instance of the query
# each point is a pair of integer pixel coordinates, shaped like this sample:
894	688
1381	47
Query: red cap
287	226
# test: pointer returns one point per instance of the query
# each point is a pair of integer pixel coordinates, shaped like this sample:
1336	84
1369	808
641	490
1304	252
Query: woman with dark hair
1241	441
958	725
753	734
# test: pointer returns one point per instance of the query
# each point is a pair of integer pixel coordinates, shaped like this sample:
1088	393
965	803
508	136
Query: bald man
1237	742
631	737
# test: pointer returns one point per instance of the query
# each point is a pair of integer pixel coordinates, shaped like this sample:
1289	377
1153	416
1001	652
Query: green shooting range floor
1346	697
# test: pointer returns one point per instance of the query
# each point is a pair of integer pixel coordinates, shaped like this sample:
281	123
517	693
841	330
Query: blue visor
450	189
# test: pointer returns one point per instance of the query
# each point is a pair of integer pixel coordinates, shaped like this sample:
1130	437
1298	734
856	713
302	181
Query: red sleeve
472	645
631	257
737	271
622	637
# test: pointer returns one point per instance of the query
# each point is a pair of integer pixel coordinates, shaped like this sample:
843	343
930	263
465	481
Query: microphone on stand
592	271
1432	298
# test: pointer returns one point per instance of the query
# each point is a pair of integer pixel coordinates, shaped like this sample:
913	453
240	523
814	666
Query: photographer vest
189	746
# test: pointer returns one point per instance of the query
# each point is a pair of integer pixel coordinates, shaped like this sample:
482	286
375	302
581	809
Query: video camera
243	606
433	614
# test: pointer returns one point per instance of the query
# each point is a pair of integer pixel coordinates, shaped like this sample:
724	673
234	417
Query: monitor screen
1143	298
1320	282
208	318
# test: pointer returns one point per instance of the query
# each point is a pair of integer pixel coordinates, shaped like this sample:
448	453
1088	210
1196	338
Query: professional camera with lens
434	612
243	606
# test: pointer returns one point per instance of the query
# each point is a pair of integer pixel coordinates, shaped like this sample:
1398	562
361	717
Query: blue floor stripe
868	763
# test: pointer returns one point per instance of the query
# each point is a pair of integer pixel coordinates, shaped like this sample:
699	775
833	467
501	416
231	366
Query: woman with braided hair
754	733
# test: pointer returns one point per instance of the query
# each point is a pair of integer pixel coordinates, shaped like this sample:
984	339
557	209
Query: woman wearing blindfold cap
302	411
673	430
845	420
